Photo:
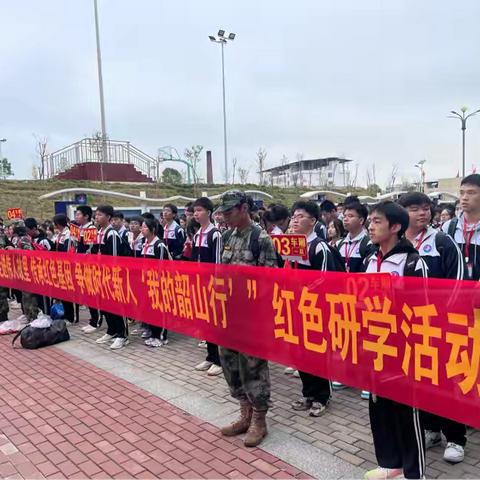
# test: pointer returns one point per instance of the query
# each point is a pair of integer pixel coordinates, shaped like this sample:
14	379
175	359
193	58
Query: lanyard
379	261
101	234
200	238
467	237
420	240
145	248
348	253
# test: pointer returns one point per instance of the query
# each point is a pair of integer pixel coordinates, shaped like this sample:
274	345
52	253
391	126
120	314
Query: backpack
363	246
452	227
254	244
337	258
33	338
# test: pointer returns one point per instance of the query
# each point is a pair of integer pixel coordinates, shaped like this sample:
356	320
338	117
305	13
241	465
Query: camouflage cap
18	223
231	199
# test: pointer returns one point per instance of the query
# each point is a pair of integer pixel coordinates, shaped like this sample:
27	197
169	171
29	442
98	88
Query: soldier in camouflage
29	300
248	377
4	243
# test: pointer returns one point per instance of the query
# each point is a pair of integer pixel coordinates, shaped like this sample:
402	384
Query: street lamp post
463	119
100	87
419	165
222	39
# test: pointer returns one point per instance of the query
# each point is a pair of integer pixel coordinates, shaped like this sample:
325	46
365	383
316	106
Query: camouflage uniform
29	300
3	290
248	377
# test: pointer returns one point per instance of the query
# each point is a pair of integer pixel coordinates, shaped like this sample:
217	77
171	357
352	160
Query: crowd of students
411	237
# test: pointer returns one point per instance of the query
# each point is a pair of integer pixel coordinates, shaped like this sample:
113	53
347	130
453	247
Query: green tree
5	168
172	176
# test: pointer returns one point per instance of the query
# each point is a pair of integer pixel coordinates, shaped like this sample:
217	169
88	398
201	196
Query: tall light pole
420	165
100	87
463	118
222	39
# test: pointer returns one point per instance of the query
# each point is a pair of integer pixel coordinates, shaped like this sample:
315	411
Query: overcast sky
370	80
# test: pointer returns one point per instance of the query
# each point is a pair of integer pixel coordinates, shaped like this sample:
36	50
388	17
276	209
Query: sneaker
202	344
289	371
147	333
154	342
119	343
338	386
365	395
204	366
89	329
164	342
381	473
432	439
105	338
214	370
454	453
296	374
317	409
302	404
148	341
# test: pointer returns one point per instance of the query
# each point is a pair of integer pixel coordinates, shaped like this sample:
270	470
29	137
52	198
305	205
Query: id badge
470	270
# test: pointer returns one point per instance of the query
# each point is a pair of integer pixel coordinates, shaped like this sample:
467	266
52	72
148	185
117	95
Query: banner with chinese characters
412	340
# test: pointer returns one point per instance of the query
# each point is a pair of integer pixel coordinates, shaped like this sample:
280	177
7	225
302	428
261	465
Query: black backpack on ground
33	338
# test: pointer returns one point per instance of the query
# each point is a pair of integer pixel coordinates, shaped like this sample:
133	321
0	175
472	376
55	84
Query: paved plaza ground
79	410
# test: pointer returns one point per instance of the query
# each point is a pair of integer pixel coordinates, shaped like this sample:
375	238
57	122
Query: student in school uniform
174	235
316	391
154	248
207	247
110	243
444	260
398	433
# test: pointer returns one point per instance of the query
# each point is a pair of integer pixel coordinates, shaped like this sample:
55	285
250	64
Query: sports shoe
289	371
202	344
89	329
154	343
338	386
118	343
105	338
214	370
296	374
147	333
204	366
432	439
302	404
164	342
381	473
454	453
317	409
365	395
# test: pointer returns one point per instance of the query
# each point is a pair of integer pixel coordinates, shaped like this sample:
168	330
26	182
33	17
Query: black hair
147	215
60	219
189	209
86	211
172	207
31	223
361	209
192	227
394	213
414	198
450	209
21	231
151	224
327	206
309	206
117	214
188	204
350	199
106	210
203	202
473	179
339	228
278	212
138	219
127	219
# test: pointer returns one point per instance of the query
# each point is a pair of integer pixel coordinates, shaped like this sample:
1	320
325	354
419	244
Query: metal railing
97	150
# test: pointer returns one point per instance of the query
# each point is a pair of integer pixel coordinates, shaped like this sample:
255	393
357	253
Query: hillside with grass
25	194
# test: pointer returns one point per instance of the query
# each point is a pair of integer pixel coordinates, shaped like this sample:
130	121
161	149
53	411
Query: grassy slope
24	193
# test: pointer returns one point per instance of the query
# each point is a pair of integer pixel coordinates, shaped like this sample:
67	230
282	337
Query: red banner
412	340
